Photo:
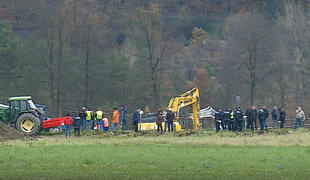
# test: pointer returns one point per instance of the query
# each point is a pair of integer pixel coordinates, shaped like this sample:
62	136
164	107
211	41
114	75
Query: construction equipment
190	97
148	122
22	114
207	112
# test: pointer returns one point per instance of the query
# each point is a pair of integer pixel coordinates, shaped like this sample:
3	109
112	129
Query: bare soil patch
9	133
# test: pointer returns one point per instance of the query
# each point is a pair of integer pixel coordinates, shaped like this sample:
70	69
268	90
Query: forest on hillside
141	53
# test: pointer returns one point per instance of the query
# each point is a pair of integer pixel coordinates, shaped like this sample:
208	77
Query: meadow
277	154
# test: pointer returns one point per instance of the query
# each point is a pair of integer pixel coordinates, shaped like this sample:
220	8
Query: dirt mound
8	133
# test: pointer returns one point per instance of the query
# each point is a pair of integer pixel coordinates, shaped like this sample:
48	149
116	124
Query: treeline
104	53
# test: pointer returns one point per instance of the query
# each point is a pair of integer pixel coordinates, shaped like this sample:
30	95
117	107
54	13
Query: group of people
95	119
233	120
167	117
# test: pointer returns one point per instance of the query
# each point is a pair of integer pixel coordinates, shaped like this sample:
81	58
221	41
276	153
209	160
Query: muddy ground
9	133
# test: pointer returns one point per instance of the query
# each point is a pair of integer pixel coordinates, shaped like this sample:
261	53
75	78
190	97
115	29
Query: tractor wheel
28	123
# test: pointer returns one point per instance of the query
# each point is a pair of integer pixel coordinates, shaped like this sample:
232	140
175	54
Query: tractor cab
18	105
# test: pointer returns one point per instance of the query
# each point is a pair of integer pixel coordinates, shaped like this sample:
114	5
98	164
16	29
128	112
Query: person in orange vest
105	124
115	119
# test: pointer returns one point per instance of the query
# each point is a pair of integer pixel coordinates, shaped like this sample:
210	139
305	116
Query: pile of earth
9	133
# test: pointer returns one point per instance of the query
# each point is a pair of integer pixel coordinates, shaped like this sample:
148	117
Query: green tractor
22	114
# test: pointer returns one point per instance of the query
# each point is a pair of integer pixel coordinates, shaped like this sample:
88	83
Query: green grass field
274	155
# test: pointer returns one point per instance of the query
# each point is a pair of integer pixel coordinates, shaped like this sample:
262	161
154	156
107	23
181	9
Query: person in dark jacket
274	115
170	117
266	116
282	117
254	116
249	118
159	121
226	118
83	115
238	115
218	118
77	122
136	119
123	113
261	118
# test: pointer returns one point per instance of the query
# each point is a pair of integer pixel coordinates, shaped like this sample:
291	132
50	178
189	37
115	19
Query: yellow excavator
190	97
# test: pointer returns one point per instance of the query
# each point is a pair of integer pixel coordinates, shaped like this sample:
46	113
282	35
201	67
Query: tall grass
203	155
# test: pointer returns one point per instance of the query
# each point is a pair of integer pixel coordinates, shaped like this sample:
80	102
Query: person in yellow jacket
115	119
89	117
105	124
99	117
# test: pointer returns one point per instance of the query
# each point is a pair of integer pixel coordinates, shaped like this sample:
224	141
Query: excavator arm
190	97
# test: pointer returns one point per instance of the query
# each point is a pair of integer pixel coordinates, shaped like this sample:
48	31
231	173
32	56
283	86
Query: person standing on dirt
274	115
136	119
115	119
170	117
82	115
266	116
77	125
254	115
68	124
123	113
249	117
282	117
159	121
300	116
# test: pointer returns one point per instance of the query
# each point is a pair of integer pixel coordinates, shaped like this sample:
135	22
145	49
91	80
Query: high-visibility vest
99	114
106	122
88	117
232	115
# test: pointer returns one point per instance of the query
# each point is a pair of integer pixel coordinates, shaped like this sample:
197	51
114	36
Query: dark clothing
266	113
254	115
282	118
238	115
77	123
274	114
218	118
123	112
136	119
249	118
136	116
170	117
261	118
226	119
159	126
159	121
82	115
159	118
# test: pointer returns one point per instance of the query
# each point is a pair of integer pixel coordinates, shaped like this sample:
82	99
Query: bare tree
152	40
245	55
297	22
